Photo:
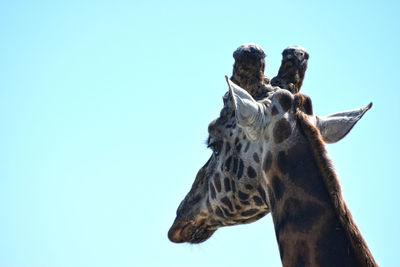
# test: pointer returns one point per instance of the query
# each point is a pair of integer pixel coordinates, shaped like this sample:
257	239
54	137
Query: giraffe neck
312	223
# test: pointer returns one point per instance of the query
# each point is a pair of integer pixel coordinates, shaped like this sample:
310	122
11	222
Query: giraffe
268	155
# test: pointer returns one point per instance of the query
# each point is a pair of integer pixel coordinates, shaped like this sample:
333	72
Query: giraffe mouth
188	232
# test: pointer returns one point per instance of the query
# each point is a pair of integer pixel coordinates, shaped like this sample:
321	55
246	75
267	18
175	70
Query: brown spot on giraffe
256	157
281	131
227	184
212	190
267	162
247	147
240	169
299	215
243	196
217	182
278	187
258	201
274	111
227	148
308	106
286	102
271	197
251	172
261	191
228	163
282	162
249	187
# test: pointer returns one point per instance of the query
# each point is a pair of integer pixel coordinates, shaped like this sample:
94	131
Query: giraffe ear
248	112
336	126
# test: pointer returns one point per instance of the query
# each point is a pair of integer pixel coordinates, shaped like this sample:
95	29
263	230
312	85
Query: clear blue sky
104	107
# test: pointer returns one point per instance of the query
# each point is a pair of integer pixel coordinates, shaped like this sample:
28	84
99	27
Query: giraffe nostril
180	232
175	233
174	236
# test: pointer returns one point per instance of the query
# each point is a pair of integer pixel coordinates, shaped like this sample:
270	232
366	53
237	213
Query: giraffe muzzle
187	232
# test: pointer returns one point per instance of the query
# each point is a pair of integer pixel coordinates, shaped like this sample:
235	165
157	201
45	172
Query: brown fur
292	70
331	182
289	78
248	73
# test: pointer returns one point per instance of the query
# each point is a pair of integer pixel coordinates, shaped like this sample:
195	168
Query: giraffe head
230	188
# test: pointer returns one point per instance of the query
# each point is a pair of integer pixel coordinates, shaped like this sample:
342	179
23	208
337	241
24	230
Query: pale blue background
104	107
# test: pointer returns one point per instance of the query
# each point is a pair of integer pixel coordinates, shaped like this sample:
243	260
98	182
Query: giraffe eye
216	147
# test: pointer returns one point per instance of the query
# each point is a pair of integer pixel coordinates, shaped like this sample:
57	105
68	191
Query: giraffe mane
314	138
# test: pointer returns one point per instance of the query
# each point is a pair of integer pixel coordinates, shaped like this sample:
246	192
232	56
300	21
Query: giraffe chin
181	232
